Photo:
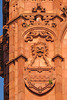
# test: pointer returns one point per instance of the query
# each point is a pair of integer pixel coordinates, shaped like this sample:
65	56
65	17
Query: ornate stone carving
43	34
54	25
39	69
24	24
38	21
39	82
35	9
44	16
64	10
39	49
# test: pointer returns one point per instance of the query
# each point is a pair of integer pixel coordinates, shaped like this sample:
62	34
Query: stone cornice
57	56
10	21
59	17
13	60
31	14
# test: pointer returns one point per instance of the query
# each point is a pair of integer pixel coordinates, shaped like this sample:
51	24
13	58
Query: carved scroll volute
42	34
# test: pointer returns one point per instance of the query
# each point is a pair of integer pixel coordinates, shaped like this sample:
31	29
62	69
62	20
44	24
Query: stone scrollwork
35	34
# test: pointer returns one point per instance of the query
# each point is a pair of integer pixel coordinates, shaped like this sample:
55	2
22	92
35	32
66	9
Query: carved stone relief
39	49
45	22
41	9
34	34
39	79
64	10
39	18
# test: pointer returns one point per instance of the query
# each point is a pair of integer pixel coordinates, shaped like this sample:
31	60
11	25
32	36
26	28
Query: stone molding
57	56
13	60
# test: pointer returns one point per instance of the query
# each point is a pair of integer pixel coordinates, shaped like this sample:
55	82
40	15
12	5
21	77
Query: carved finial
38	8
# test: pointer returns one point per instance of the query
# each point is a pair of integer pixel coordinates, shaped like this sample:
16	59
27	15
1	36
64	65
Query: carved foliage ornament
39	79
46	22
35	34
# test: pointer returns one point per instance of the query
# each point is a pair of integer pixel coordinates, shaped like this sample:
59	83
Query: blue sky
1	32
1	17
1	89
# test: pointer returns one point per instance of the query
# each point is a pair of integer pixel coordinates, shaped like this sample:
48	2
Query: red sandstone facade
33	49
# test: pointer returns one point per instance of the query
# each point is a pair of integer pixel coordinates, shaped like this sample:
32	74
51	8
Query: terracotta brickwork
37	61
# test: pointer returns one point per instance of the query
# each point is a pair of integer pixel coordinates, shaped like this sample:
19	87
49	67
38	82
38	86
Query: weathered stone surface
37	49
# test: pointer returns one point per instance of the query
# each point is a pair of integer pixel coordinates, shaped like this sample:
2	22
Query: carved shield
39	74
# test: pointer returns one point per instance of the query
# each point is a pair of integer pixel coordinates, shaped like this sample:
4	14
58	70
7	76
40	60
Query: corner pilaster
58	66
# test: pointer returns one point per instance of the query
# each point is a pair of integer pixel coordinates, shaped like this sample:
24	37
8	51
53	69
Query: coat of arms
40	75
